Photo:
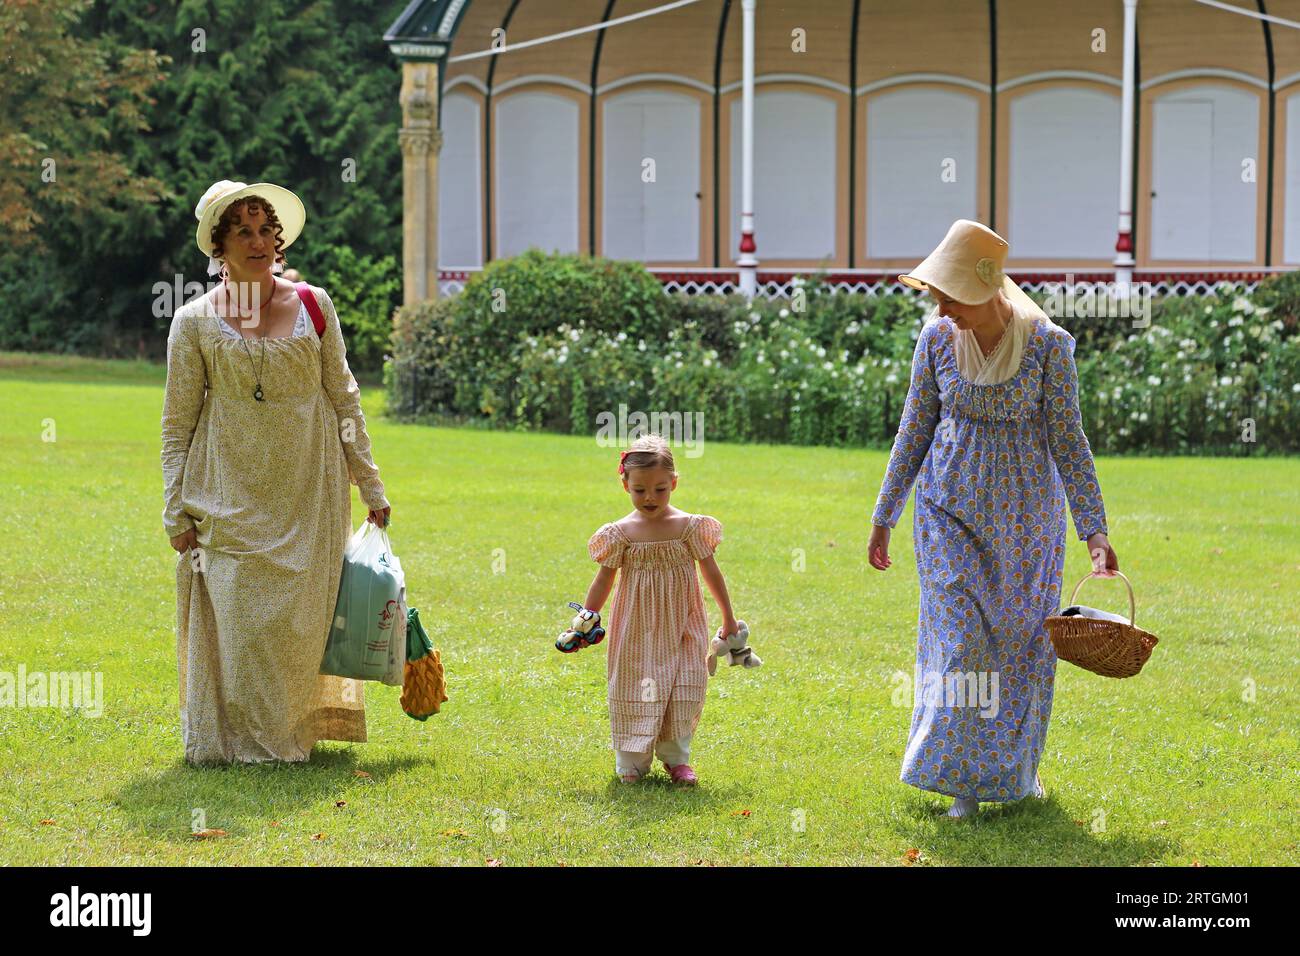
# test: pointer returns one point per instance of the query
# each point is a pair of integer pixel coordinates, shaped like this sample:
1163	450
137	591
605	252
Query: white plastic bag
367	639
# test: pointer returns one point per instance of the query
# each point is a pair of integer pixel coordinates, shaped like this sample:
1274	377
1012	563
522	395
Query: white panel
1181	180
911	137
655	221
460	181
1064	174
1202	209
536	147
794	176
1291	227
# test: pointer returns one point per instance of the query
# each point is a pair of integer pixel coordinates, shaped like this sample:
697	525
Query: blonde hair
648	451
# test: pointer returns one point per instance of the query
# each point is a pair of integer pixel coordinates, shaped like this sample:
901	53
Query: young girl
658	631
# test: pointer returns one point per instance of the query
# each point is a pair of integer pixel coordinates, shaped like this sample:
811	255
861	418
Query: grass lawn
798	761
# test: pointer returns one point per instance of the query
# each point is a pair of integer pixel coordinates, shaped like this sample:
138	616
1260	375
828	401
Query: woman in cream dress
262	430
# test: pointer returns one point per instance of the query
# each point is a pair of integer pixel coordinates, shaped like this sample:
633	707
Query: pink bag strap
313	307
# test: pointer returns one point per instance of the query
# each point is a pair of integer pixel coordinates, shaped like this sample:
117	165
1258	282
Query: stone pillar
421	141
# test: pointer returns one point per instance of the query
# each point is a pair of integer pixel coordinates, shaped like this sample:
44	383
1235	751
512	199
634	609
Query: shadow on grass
243	798
1025	832
655	798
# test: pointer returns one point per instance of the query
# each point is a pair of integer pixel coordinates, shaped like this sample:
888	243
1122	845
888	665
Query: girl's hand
1104	562
878	548
729	627
379	517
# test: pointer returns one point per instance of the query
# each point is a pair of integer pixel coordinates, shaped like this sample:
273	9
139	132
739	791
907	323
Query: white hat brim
288	209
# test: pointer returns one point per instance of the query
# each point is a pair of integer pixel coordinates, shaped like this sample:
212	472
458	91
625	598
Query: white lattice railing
781	285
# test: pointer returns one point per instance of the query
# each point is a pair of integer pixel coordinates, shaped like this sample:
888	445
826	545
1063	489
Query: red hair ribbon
621	455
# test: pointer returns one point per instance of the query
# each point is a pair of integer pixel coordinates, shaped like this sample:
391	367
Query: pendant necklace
257	370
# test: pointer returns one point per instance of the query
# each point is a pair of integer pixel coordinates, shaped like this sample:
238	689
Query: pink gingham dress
658	632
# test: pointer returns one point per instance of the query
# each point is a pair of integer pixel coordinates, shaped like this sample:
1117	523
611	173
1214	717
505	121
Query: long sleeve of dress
1067	442
915	432
345	396
182	404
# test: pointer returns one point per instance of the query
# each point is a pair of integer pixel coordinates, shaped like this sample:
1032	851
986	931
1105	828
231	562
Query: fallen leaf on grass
209	833
47	823
340	803
318	836
361	773
492	861
1197	863
453	832
741	813
912	856
1161	823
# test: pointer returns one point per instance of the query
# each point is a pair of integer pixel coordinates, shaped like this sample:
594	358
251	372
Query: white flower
784	313
827	366
1242	304
574	334
821	352
622	336
1142	417
640	346
1234	321
1153	379
1226	380
891	378
679	365
753	316
1296	387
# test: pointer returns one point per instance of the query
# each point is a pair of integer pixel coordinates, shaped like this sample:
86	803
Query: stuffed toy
583	632
424	685
735	647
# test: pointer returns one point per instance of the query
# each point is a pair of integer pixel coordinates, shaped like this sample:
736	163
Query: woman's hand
878	548
185	540
1104	562
379	517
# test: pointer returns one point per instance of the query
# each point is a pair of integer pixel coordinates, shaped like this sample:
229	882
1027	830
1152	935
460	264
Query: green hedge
548	342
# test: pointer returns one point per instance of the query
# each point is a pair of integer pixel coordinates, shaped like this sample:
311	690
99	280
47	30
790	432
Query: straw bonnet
288	209
966	266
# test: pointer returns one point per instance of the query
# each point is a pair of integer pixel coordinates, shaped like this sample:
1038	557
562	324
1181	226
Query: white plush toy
735	647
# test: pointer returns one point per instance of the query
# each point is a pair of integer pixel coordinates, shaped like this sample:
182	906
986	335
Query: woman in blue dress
992	438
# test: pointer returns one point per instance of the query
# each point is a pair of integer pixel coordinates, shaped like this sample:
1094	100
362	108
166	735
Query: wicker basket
1108	648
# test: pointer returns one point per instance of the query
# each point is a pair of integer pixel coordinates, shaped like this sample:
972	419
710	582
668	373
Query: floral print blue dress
994	466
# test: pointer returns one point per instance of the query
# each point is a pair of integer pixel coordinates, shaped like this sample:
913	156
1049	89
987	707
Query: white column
1124	244
747	262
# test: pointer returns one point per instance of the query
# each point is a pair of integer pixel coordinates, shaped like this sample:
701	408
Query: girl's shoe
632	777
682	774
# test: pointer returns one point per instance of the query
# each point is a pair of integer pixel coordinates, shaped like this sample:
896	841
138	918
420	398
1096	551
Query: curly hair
649	451
226	221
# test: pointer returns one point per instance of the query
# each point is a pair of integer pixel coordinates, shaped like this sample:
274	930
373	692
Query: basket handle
1132	606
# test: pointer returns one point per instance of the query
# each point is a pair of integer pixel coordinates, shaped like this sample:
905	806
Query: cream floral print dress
265	485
